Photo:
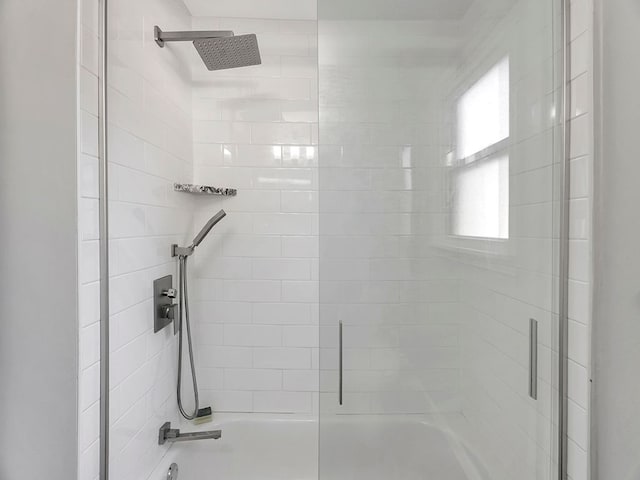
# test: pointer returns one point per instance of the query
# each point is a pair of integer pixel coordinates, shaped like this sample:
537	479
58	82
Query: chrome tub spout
168	434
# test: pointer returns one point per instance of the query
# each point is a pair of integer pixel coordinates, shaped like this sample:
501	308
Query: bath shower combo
219	50
433	322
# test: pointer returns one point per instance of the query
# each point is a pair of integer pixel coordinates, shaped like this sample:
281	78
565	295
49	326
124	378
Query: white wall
382	201
514	311
88	255
255	288
150	148
617	268
581	237
503	286
38	290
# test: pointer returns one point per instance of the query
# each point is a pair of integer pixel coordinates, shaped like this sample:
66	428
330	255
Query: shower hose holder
177	251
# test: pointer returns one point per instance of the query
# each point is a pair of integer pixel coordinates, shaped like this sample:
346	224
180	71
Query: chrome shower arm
219	50
161	37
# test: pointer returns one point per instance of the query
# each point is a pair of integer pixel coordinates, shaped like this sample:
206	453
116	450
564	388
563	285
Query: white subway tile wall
501	294
150	145
500	301
255	280
434	326
503	286
581	247
255	285
88	261
381	201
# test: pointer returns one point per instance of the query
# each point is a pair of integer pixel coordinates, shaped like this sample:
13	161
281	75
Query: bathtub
352	447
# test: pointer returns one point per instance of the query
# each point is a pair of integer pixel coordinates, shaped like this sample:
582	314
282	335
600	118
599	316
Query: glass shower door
438	141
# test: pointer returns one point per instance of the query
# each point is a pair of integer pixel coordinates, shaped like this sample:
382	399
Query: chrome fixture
563	254
103	233
177	251
172	474
163	308
219	50
533	358
183	254
340	361
168	434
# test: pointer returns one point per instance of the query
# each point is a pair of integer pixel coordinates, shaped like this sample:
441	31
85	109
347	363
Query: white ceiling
282	9
393	9
332	9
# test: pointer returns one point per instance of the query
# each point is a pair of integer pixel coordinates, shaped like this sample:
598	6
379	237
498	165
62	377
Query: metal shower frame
103	220
563	259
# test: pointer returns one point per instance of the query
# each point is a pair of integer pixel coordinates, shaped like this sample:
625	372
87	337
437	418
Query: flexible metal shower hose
184	307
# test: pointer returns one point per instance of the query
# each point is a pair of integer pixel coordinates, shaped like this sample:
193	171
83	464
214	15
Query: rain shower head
229	52
219	50
207	228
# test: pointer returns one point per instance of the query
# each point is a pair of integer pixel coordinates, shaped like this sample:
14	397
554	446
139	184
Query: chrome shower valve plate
164	310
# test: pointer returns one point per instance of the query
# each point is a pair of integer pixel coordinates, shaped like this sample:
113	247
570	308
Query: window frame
476	244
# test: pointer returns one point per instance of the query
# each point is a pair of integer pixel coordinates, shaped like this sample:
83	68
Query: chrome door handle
340	363
533	359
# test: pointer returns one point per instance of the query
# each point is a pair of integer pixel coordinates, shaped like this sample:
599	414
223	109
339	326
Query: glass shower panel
437	141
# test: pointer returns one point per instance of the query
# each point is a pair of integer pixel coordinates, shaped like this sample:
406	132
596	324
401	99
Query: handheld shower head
207	228
177	251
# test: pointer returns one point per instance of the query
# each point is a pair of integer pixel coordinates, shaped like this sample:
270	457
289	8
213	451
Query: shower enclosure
438	157
386	295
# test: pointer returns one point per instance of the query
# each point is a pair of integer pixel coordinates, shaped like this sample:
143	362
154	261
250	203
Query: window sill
478	251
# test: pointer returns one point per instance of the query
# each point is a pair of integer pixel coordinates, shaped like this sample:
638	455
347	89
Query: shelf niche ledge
204	190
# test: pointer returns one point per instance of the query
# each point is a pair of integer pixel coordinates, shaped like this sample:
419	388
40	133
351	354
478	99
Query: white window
480	177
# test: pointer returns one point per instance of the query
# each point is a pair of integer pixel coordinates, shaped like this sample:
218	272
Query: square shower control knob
168	311
171	293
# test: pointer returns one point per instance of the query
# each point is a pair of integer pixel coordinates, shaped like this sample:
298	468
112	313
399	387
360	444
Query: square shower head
229	52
